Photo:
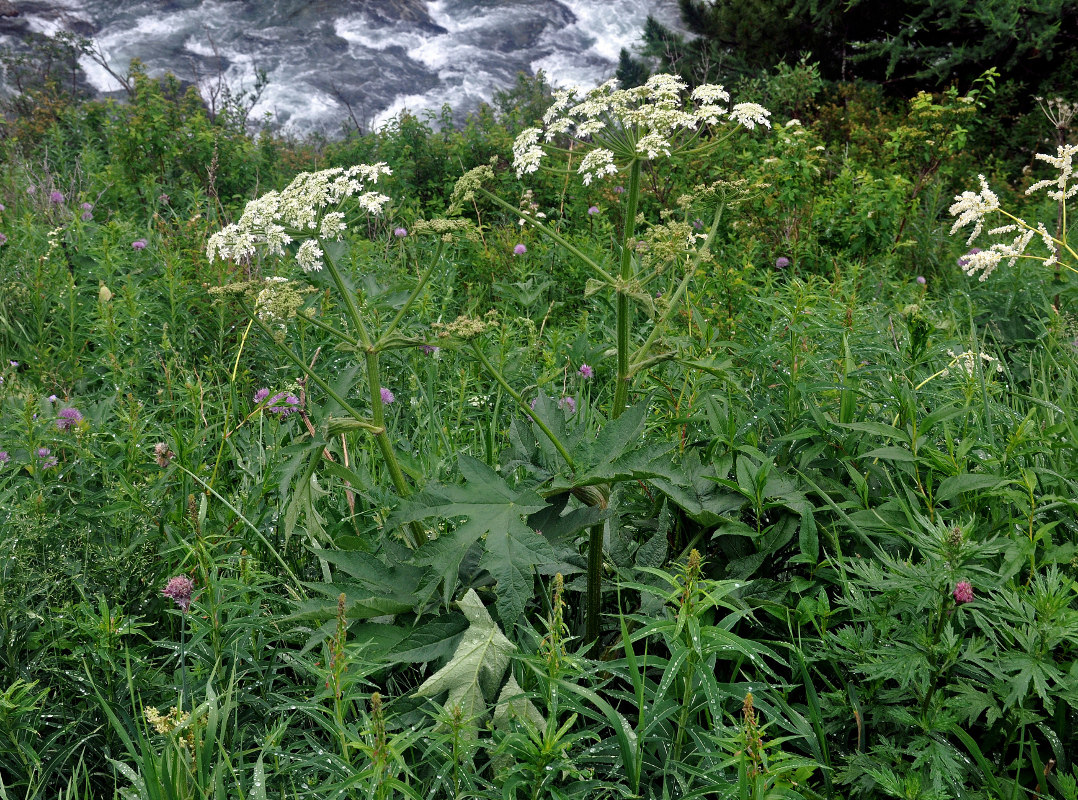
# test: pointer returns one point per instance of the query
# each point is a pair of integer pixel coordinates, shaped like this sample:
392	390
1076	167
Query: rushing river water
377	56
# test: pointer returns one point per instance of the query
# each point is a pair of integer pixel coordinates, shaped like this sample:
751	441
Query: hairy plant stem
594	595
593	608
381	436
621	389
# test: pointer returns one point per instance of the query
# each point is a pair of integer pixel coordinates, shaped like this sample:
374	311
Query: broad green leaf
513	704
692	487
430	641
368	570
510	557
473	676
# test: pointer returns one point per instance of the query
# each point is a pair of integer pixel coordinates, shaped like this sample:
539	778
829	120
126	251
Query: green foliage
814	451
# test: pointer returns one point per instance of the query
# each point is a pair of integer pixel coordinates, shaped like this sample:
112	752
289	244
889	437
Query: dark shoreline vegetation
517	496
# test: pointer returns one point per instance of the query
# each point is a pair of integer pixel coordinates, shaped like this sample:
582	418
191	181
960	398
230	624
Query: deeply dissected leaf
493	512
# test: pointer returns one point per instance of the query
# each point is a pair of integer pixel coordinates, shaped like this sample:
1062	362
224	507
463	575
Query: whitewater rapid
329	62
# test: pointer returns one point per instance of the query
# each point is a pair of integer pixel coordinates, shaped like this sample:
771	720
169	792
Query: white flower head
617	126
651	145
1064	162
309	256
306	208
750	115
526	151
596	164
710	94
972	207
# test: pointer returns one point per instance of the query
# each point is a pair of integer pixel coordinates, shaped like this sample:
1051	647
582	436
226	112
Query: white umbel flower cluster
305	209
648	122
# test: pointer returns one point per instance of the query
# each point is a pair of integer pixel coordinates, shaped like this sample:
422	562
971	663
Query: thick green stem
621	390
494	373
381	436
595	584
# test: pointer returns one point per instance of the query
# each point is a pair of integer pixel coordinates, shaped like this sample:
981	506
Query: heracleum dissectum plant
310	212
615	132
975	208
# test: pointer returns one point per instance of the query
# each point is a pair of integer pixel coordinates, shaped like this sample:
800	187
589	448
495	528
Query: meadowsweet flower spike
308	209
974	208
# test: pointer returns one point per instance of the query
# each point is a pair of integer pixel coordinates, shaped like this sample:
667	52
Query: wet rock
7	9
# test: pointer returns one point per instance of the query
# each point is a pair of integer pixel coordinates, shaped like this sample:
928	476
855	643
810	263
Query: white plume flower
972	207
1064	162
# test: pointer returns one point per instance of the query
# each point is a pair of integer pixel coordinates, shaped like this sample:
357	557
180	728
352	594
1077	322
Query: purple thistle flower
520	250
47	461
139	244
568	403
162	454
68	418
15	364
261	395
283	404
619	190
782	262
963	592
593	210
179	590
56	197
4	457
87	216
387	396
921	280
87	206
3	207
52	398
400	233
963	260
586	372
429	349
163	199
2	238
